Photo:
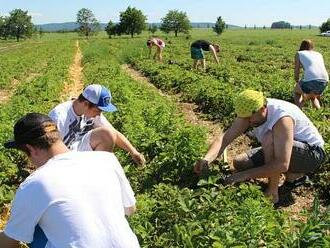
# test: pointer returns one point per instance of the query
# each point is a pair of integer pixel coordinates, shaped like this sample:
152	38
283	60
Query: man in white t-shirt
84	128
290	143
73	199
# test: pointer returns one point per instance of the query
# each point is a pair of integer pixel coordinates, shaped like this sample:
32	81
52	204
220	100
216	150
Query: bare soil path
294	202
74	86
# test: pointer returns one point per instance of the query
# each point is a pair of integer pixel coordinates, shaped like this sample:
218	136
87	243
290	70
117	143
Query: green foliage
325	26
132	21
88	25
176	21
219	26
110	29
153	28
213	216
18	25
281	25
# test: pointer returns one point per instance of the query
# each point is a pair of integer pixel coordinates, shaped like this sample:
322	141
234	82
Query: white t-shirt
313	64
304	130
72	127
78	200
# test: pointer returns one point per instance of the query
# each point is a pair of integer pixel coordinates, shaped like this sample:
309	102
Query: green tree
153	28
325	26
19	24
132	21
88	25
3	27
175	21
281	25
219	26
110	29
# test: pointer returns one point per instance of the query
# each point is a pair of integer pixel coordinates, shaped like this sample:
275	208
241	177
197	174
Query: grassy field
176	209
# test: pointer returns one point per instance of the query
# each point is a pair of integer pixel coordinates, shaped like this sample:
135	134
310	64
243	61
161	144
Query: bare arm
283	142
6	242
123	143
297	67
239	126
214	53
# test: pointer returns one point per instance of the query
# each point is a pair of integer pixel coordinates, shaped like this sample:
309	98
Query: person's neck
78	107
56	149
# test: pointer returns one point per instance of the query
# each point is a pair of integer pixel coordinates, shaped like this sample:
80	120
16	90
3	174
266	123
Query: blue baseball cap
100	96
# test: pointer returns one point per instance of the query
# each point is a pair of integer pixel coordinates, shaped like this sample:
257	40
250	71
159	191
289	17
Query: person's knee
103	138
242	162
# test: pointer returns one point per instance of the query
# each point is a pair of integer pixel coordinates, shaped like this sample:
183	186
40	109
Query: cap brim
109	108
10	144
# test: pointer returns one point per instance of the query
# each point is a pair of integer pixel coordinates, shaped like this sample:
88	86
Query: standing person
72	199
315	78
159	44
84	127
197	48
290	143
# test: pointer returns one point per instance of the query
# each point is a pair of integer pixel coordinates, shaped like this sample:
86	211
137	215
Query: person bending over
197	53
290	143
84	127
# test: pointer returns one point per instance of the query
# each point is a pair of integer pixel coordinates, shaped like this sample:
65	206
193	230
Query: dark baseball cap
30	127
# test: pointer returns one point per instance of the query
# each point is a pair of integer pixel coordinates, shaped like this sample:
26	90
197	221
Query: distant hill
71	26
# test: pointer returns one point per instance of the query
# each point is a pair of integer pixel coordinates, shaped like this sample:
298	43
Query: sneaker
298	182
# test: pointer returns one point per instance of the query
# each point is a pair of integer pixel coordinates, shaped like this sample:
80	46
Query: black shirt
201	44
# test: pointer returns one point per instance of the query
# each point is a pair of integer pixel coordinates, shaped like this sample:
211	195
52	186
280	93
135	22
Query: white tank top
313	64
304	130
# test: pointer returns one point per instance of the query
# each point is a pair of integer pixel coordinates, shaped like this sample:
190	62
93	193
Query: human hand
139	159
201	166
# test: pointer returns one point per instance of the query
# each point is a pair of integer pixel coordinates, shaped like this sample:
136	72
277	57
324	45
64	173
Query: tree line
133	21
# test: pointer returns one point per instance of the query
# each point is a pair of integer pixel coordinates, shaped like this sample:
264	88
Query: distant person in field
290	143
72	199
159	44
315	78
197	54
84	127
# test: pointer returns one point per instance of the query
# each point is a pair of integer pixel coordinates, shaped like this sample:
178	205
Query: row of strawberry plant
38	95
25	60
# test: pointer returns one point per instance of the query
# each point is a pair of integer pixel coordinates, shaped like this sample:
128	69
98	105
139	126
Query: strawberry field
175	208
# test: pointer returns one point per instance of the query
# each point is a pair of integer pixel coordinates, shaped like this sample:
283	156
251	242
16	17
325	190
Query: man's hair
81	98
45	141
216	47
306	45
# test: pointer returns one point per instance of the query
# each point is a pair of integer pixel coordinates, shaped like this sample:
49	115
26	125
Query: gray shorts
304	158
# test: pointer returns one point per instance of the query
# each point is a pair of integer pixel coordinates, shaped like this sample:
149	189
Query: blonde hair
306	45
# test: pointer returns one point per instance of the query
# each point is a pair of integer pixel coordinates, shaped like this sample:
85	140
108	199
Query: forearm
216	149
123	143
296	75
266	171
6	242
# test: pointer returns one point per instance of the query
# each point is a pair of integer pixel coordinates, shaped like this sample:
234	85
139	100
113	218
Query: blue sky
237	12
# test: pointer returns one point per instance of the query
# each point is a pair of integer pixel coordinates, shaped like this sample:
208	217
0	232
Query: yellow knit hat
247	102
